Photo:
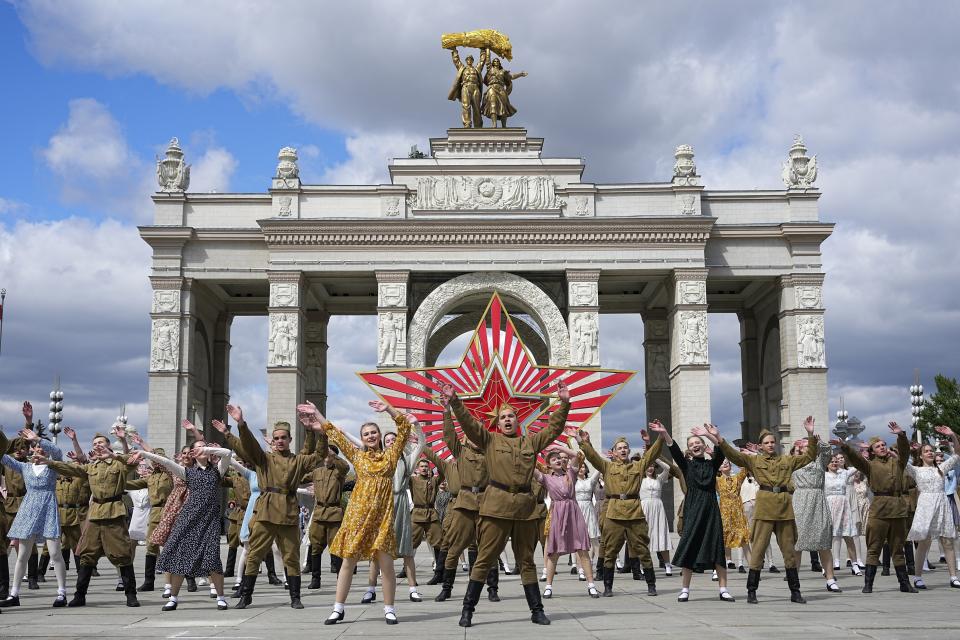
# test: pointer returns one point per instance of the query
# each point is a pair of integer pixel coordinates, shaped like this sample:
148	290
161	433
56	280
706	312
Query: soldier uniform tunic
328	511
471	480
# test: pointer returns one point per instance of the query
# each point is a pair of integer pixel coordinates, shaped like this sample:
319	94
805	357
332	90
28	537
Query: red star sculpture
496	369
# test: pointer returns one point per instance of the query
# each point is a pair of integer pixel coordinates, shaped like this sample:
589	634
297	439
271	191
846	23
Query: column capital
583	275
286	289
801	293
392	276
689	273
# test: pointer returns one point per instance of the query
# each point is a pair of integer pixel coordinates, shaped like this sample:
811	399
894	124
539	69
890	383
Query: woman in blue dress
38	517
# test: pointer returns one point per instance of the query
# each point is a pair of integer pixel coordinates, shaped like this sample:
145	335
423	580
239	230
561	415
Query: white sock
338	607
173	599
413	590
170	586
388	609
667	565
684	589
372	588
590	585
830	582
550	586
723	590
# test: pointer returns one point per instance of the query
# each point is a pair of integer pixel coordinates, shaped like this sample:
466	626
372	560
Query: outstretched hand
120	431
809	424
895	428
563	391
219	425
645	436
70	433
378	405
311	410
835	442
27	411
28	435
657	427
448	392
189	426
235	412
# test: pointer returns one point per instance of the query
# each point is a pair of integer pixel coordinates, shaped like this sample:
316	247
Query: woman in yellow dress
735	531
367	529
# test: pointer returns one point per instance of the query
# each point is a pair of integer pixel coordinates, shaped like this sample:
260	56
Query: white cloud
367	158
90	145
212	172
11	206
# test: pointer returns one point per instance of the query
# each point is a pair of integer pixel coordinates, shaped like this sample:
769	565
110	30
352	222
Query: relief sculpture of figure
496	101
466	88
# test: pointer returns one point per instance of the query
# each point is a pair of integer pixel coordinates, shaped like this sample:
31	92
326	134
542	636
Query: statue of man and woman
474	103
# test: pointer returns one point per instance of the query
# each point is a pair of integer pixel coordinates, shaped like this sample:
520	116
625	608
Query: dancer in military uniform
508	501
236	506
889	512
424	487
278	473
774	511
623	519
327	481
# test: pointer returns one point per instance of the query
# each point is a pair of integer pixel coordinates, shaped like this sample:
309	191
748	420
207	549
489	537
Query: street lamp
55	417
916	401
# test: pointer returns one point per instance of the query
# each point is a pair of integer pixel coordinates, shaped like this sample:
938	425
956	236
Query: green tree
943	407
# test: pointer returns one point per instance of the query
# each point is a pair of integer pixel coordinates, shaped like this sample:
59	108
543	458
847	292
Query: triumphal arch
489	210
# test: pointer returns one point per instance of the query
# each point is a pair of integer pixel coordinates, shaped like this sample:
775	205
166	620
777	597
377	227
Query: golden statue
495	104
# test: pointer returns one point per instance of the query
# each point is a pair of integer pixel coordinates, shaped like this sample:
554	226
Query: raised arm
903	445
173	467
735	456
247	445
429	454
68	469
415	444
450	434
558	420
595	459
77	449
854	458
224	456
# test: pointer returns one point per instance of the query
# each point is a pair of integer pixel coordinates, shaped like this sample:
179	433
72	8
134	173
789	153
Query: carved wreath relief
583	294
693	292
392	294
447	193
283	294
166	301
808	297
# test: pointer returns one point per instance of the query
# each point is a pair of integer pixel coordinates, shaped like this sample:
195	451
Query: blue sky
95	90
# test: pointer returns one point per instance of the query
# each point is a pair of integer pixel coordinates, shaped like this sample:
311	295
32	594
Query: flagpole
3	296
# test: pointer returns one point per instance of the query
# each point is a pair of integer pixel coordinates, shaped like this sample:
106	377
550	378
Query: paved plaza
886	614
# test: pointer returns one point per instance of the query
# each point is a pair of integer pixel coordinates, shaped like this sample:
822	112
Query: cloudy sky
94	90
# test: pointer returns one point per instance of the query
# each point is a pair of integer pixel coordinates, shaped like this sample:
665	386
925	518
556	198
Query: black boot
793	582
885	560
493	585
66	559
608	575
753	581
129	585
272	571
651	577
439	557
149	573
42	567
908	554
470	600
869	573
294	582
403	572
84	573
335	563
472	557
446	590
228	571
626	563
32	562
191	584
316	572
246	591
4	577
815	562
635	569
308	566
904	579
532	592
598	570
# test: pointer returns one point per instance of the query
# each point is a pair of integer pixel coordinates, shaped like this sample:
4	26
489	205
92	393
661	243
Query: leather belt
108	500
474	489
624	496
764	487
73	506
282	492
422	506
510	489
329	504
889	494
159	504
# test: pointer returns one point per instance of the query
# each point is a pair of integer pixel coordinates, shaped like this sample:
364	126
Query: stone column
803	362
392	312
221	372
749	375
315	359
169	378
285	377
656	356
583	323
689	355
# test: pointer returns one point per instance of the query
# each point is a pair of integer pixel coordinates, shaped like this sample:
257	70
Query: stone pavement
886	614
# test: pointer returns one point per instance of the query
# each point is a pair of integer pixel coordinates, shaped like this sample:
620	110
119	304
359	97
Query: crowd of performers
500	485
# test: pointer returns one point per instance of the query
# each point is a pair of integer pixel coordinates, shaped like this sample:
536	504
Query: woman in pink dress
568	529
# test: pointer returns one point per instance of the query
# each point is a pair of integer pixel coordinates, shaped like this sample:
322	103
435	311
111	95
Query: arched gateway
487	211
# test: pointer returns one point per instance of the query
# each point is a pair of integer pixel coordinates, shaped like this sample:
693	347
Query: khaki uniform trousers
5	521
426	530
492	534
322	534
461	534
262	536
633	532
105	538
891	530
786	532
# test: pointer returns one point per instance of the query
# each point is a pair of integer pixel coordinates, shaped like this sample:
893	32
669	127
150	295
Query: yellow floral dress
735	532
367	525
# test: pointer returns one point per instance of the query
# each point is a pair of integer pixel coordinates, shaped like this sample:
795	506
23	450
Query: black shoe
368	597
11	601
774	569
449	576
493	594
730	565
470	599
885	571
869	573
273	579
608	575
635	568
84	572
246	591
573	571
42	567
334	618
4	576
32	563
335	563
537	616
753	581
61	601
793	582
439	558
740	569
129	585
149	573
904	579
191	584
316	572
294	582
171	605
815	562
493	585
403	574
651	577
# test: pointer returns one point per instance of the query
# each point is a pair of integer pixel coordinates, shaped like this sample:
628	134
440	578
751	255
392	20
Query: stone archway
463	323
519	293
